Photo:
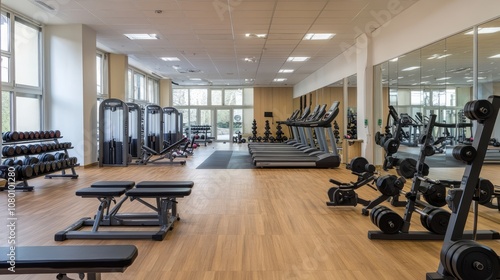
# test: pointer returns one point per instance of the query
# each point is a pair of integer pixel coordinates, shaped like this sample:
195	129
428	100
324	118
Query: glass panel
99	73
216	97
180	97
5	69
6	111
27	54
237	121
150	90
233	97
130	82
222	125
192	116
205	117
185	117
139	86
198	97
5	32
31	121
156	92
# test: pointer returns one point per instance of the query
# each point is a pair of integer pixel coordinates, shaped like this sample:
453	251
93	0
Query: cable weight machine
113	131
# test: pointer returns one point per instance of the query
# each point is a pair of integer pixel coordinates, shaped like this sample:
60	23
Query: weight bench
92	260
164	213
148	153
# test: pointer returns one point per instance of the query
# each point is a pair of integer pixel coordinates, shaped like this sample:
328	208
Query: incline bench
163	216
166	153
60	260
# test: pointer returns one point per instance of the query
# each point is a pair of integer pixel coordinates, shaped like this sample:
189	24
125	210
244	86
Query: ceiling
208	36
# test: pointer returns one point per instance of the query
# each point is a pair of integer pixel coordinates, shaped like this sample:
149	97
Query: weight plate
472	260
435	195
465	153
358	164
486	189
423	216
35	168
27	171
48	167
41	167
385	185
389	222
391	146
375	210
407	168
437	221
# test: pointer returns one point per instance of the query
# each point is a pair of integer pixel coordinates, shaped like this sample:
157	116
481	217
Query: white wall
425	22
71	94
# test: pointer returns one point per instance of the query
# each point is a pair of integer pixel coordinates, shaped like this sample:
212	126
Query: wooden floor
242	224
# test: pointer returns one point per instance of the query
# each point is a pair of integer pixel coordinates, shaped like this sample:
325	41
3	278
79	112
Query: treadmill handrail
327	118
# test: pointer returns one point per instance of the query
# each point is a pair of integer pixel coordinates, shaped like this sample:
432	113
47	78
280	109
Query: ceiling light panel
142	36
286	71
170	59
319	36
411	68
298	58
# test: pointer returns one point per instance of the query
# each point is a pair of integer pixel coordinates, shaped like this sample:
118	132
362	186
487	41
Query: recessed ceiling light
44	5
297	58
170	58
250	59
410	68
195	79
319	36
279	80
286	71
394	59
484	30
442	79
253	35
142	36
495	56
249	80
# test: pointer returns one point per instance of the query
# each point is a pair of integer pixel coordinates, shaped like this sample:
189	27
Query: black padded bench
164	212
92	260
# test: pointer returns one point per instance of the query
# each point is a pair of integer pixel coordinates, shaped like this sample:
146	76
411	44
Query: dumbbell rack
459	253
23	185
413	199
203	131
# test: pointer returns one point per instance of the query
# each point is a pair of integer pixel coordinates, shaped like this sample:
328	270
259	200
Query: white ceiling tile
210	34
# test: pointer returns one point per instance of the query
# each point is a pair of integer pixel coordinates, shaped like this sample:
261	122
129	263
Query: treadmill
296	139
323	160
307	146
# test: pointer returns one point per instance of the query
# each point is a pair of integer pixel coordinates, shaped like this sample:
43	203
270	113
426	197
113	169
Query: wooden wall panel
279	101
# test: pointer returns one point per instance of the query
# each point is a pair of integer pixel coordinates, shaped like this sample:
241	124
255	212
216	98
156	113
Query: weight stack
133	148
106	153
118	153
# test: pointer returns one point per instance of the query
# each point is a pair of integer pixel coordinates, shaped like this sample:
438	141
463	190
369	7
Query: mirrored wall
439	79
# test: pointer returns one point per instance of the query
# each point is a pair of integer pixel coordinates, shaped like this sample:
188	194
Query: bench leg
100	213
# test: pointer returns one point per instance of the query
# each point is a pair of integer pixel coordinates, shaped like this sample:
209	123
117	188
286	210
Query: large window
227	111
142	87
21	73
27	52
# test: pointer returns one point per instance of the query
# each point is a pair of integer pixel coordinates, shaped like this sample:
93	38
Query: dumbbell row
19	150
32	160
40	168
434	219
30	135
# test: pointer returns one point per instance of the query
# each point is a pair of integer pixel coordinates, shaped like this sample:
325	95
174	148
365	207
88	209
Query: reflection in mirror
489	69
